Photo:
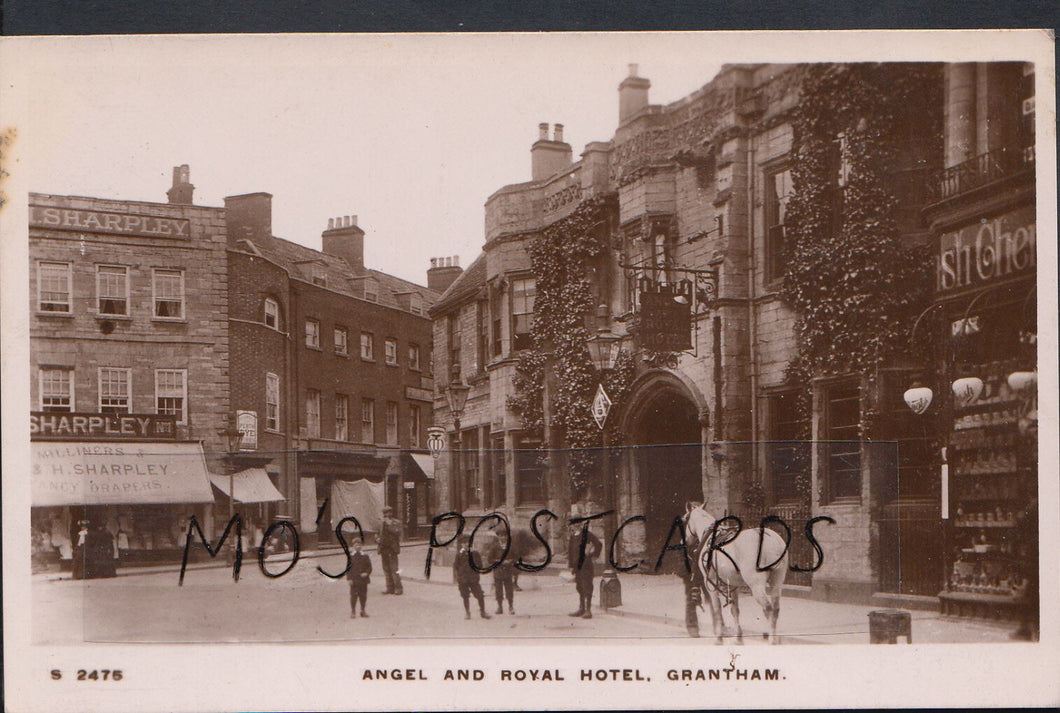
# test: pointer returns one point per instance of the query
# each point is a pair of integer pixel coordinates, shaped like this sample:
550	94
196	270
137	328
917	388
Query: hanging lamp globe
967	389
918	398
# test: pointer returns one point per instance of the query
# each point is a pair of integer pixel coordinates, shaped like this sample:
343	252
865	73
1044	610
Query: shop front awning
111	473
425	463
252	485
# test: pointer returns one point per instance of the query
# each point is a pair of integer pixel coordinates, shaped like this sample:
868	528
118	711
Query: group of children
467	568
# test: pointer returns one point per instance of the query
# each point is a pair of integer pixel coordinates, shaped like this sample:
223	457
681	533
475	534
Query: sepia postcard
529	371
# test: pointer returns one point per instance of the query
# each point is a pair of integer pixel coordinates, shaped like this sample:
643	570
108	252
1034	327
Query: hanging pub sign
664	323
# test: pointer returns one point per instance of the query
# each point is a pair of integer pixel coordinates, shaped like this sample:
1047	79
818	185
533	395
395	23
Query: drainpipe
752	323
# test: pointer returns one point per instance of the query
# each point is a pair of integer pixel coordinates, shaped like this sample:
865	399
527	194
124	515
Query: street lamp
456	394
603	350
233	437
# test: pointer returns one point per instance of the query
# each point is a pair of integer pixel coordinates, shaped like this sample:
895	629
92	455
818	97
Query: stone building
692	202
129	315
164	326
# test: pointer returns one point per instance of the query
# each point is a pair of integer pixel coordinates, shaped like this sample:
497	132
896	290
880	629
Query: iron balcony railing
980	171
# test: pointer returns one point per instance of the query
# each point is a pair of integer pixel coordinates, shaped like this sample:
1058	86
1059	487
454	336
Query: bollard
610	590
886	625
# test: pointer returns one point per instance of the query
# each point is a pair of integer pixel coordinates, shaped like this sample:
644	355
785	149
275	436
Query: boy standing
466	578
360	568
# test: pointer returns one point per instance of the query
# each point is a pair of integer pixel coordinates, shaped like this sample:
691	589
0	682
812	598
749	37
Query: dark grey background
82	17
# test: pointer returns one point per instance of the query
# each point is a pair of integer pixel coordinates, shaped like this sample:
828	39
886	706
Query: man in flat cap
389	541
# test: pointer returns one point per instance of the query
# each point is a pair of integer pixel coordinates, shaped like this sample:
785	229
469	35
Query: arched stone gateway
662	467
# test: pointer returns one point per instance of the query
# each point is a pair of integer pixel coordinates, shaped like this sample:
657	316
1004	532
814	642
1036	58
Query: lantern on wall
967	389
918	398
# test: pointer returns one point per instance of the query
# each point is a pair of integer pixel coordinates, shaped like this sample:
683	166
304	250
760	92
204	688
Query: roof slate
467	285
306	263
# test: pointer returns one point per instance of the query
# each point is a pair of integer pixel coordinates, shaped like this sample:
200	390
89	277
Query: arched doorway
665	432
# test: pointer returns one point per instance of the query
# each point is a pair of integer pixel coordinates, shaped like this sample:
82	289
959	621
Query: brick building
331	360
697	192
196	320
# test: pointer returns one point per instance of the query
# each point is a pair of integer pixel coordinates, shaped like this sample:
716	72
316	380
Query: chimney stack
548	158
344	239
180	193
443	272
248	216
632	95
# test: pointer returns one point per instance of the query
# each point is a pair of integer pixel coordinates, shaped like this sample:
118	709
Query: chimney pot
456	261
557	134
181	191
633	69
542	131
434	262
331	223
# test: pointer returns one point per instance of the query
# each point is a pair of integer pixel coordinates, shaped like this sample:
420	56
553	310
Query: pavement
652	606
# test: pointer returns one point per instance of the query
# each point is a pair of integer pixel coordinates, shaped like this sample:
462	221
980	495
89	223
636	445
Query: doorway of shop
667	456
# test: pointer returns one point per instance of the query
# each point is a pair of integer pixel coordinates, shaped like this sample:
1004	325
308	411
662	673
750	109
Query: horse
739	561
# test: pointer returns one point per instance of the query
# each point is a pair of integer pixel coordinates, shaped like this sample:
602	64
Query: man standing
580	563
467	579
389	541
503	573
358	574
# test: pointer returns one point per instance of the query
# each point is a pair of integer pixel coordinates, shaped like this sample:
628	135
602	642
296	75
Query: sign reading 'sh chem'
95	221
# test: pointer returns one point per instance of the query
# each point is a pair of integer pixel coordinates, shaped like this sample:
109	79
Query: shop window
272	313
342	340
115	392
367	346
112	290
391	423
56	389
498	472
414	357
470	458
312	413
529	471
843	415
312	334
390	351
524	290
414	426
778	193
168	287
787	458
452	330
367	421
272	402
342	417
53	287
171	393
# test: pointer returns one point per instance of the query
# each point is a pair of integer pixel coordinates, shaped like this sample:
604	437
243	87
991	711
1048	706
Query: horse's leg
715	612
776	588
760	591
735	594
